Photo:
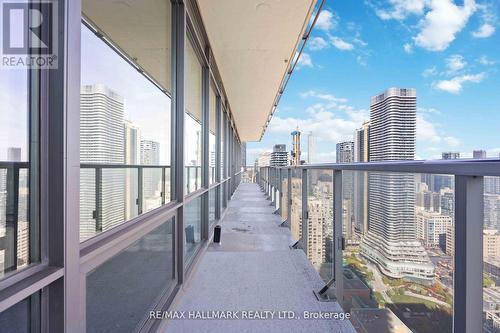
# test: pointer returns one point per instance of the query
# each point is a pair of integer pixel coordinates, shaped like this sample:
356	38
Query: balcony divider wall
56	285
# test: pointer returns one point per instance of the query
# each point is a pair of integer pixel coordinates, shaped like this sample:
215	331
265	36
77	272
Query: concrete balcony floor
253	269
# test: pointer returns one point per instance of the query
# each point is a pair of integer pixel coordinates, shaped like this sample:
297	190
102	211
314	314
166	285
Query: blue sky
448	50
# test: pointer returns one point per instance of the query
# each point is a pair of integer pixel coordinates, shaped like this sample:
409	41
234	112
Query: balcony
255	274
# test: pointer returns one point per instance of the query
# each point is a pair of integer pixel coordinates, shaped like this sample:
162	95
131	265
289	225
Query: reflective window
121	292
124	116
192	227
222	145
211	138
18	236
211	205
22	317
192	121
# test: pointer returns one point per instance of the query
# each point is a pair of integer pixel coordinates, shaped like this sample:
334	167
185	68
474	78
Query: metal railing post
11	218
305	213
468	284
140	190
163	194
338	272
289	203
98	199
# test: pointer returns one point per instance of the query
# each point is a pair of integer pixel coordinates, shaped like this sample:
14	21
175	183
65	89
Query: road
378	284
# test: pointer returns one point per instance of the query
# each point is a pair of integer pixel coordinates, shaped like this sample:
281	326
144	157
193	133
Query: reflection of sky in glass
13	111
145	105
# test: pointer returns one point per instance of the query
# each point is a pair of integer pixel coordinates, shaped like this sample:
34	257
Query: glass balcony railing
399	241
15	230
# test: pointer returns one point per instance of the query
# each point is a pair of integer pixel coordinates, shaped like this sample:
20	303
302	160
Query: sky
448	50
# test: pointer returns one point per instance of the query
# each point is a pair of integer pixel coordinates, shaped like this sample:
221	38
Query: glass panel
399	231
134	279
211	138
296	210
17	241
124	119
491	255
192	120
22	317
211	205
152	188
320	222
192	229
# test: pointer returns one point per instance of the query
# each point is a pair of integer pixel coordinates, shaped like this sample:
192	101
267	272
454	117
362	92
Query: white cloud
341	44
326	20
408	48
429	135
484	60
361	60
455	62
452	141
321	122
304	60
317	43
442	22
455	84
488	19
401	9
485	31
429	72
326	97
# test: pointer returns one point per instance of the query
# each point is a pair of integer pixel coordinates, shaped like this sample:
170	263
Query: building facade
391	239
345	152
279	156
102	141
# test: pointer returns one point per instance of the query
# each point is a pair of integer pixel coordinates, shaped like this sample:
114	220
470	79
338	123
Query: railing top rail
124	166
461	167
10	164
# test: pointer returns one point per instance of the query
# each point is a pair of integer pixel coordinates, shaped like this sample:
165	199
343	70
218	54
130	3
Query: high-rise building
362	143
450	241
279	156
101	142
479	153
132	134
361	154
492	185
151	187
345	152
450	155
295	153
491	244
448	202
150	152
431	228
311	148
391	239
492	211
264	159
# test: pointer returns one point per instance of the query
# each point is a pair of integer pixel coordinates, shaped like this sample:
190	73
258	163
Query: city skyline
368	47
